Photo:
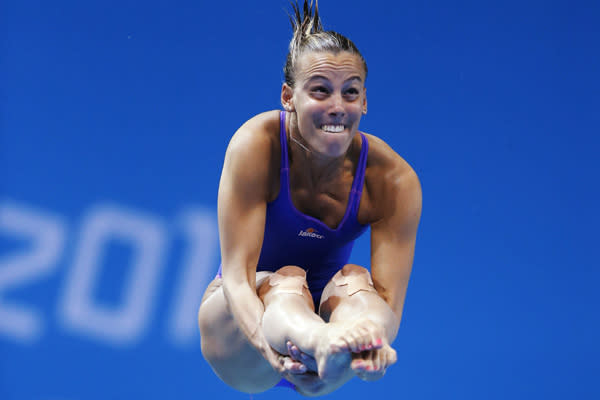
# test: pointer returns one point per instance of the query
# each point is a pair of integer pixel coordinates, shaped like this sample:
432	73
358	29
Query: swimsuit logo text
310	232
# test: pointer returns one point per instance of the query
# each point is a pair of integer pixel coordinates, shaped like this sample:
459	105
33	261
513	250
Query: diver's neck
318	166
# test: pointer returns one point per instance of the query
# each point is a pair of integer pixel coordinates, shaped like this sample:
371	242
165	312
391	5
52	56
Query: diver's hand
284	364
296	354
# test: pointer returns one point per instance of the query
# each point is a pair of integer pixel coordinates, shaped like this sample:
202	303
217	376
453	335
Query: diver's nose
337	105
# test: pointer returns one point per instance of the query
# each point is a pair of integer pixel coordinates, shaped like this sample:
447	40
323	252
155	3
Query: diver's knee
286	280
352	279
291	270
349	281
289	279
353	269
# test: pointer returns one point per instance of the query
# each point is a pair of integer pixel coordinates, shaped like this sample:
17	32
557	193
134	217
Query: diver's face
329	99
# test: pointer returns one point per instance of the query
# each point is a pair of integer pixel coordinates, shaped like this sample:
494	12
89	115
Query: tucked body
297	188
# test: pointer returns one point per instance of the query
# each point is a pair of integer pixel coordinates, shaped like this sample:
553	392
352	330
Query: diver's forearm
248	311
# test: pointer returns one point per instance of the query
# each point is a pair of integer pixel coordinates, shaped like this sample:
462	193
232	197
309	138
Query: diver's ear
287	98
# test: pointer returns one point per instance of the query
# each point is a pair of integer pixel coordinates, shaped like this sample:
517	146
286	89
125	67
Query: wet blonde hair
309	36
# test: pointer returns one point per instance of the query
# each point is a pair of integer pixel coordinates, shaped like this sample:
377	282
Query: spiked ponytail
310	36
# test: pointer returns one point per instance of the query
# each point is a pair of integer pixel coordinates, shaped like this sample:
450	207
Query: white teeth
333	128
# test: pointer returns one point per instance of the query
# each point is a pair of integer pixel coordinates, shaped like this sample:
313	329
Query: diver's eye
320	89
351	94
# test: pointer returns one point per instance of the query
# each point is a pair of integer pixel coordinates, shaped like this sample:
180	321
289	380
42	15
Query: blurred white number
124	324
201	234
47	235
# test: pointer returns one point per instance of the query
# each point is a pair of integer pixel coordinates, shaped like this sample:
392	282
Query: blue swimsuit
293	238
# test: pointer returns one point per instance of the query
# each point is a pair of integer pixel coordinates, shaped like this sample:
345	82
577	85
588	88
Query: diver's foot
333	354
372	365
364	335
340	339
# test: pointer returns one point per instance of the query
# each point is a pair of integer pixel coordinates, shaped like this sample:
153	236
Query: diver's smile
333	128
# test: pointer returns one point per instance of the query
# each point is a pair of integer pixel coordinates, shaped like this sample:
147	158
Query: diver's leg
350	299
289	317
225	347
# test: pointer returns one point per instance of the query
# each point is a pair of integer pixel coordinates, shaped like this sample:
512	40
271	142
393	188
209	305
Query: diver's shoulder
264	123
383	155
387	169
261	130
257	141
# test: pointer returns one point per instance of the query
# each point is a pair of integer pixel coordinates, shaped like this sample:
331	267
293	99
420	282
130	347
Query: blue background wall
115	116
